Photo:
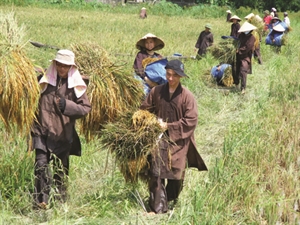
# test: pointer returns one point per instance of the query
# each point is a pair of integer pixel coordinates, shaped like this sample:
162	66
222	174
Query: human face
149	43
62	69
173	79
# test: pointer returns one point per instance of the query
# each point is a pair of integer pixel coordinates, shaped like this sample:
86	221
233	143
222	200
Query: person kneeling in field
63	99
176	110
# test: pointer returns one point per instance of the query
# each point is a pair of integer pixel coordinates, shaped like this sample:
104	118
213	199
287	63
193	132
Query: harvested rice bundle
257	22
131	139
225	51
110	90
19	89
257	39
227	78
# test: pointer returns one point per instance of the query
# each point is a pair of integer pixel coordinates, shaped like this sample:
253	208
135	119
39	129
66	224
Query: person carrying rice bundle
63	99
147	45
176	110
244	55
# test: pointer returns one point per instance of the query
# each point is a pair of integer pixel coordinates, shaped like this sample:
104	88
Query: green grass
250	143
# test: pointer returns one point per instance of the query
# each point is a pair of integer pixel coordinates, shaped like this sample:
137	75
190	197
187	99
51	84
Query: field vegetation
249	142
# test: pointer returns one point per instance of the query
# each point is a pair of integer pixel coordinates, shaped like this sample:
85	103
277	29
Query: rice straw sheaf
111	90
227	78
19	89
224	51
259	24
131	139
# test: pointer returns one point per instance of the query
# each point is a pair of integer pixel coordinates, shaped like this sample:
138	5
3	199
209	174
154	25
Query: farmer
177	109
244	55
267	19
147	46
235	26
258	38
63	99
143	13
204	40
286	19
228	15
274	22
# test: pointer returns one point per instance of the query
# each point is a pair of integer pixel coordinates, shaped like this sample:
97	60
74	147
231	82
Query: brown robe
181	114
244	58
234	30
204	40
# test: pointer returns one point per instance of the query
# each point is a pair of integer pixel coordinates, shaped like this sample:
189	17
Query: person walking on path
244	55
63	99
204	40
228	15
235	26
286	19
177	110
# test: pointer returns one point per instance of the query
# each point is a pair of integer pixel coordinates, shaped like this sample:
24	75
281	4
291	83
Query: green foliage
250	143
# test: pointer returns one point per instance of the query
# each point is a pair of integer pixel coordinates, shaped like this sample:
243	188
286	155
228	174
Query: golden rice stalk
131	139
227	78
224	51
111	90
148	60
257	39
19	89
259	24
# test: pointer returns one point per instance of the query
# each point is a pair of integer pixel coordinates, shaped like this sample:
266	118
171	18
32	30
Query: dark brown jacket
204	40
54	131
181	114
234	29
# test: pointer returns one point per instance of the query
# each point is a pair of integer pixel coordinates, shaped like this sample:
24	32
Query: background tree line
280	5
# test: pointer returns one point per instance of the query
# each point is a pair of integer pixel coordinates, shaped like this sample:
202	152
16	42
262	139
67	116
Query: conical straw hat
159	44
249	16
235	17
279	28
228	11
247	27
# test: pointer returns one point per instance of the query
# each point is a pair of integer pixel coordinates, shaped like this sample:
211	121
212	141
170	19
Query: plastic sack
277	38
156	71
218	74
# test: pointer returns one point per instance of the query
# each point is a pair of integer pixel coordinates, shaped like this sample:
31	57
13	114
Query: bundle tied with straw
257	22
19	89
111	90
131	139
224	51
227	79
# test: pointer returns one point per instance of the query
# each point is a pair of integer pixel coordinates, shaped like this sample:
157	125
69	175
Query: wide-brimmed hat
208	25
279	28
267	12
228	11
177	66
66	57
159	44
249	16
246	27
235	17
